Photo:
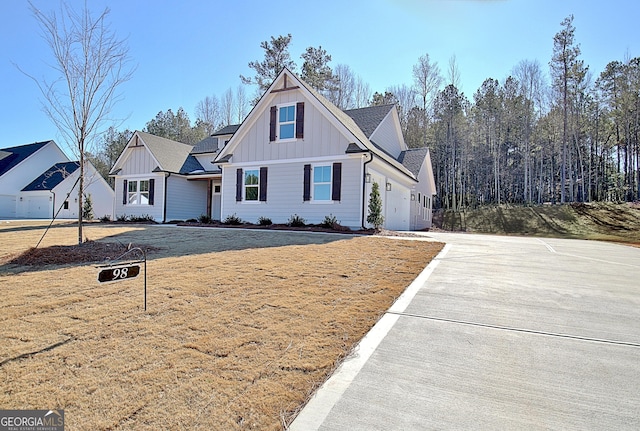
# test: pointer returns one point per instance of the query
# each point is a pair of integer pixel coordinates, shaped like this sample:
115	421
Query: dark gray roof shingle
207	145
412	159
369	118
227	130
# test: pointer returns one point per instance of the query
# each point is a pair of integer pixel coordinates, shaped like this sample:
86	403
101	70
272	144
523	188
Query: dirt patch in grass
241	327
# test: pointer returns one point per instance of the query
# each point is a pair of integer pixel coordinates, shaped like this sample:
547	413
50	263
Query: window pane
133	198
251	193
144	185
286	131
250	178
133	186
287	113
322	174
144	198
321	192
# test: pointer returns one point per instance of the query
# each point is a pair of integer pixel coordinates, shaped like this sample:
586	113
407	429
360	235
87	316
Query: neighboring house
297	153
35	180
168	180
56	190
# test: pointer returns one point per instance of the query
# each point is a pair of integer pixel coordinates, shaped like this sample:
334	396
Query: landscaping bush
264	221
296	221
205	219
330	222
232	219
105	218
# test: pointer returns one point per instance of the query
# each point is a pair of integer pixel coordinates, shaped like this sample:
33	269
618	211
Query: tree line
561	136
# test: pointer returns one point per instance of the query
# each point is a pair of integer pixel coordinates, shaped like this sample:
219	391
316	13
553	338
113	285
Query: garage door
398	207
38	207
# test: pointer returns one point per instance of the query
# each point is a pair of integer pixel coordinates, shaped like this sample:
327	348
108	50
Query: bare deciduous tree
209	113
90	63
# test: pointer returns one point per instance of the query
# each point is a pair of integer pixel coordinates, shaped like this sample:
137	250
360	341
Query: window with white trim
138	192
251	184
322	183
287	122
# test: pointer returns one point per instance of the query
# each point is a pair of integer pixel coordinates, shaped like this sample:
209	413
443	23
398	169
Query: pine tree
375	207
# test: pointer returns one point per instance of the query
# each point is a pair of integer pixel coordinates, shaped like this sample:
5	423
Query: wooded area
572	137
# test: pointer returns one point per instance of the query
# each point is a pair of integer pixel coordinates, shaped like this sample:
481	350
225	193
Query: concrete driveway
499	333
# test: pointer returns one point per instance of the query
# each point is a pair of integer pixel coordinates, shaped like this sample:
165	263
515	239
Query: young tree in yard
374	216
89	63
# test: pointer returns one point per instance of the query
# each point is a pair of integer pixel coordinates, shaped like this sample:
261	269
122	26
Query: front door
216	199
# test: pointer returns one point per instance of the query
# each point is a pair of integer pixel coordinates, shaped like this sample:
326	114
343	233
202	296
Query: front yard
241	326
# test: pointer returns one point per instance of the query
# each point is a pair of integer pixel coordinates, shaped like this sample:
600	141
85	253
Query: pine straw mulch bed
233	339
87	252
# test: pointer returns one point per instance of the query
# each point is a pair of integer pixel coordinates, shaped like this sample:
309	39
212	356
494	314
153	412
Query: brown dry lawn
241	326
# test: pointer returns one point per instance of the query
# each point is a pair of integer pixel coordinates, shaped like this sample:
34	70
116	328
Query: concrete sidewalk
499	333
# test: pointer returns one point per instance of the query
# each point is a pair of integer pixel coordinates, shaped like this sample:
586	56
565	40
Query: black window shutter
272	124
263	184
152	190
300	120
238	185
124	191
306	195
337	181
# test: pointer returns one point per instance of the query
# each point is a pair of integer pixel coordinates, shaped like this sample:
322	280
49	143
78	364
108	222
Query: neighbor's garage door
38	207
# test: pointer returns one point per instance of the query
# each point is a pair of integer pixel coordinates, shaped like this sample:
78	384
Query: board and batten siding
138	162
285	193
156	211
321	137
185	199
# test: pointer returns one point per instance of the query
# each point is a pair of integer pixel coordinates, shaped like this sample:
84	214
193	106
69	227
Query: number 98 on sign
118	273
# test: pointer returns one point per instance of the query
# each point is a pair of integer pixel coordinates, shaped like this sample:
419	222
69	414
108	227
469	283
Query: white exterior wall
156	211
386	136
185	199
285	183
45	203
396	203
22	174
35	205
321	137
138	161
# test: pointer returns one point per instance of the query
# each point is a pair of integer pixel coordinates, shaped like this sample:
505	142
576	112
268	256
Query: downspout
364	188
164	201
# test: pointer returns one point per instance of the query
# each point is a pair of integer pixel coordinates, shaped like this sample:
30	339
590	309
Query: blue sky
188	49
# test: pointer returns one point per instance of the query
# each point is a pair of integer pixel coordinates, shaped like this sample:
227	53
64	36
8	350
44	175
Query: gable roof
227	130
170	155
207	145
412	159
53	176
191	165
369	118
12	156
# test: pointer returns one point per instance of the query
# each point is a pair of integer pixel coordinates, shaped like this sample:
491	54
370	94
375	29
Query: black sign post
125	270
